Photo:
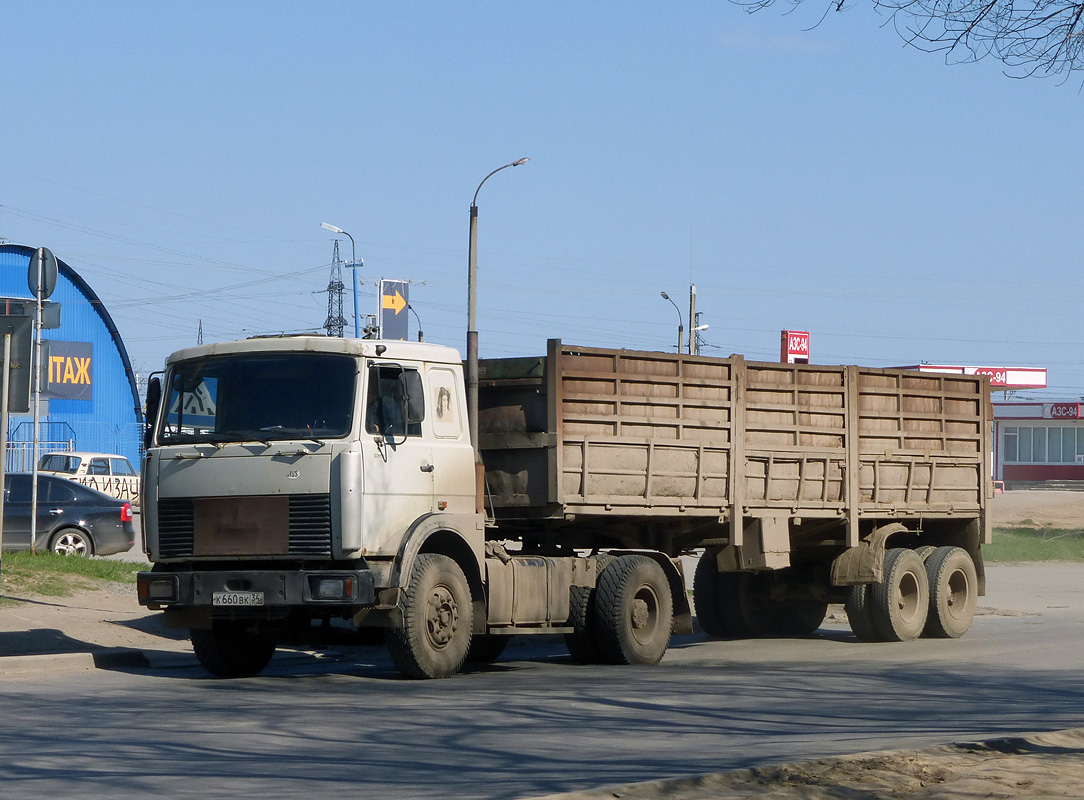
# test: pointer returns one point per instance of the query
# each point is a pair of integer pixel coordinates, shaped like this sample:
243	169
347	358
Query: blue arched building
93	402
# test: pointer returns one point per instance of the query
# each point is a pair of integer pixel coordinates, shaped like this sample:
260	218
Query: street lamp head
664	295
517	162
701	328
327	226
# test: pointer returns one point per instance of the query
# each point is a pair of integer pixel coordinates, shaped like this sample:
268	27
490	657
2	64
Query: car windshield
259	397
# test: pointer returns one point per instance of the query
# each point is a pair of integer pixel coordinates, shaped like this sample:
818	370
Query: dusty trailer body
804	471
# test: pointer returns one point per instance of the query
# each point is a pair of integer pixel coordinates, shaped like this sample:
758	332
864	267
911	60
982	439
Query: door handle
426	467
56	511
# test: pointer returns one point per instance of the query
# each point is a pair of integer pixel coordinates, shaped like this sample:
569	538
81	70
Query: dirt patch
102	618
1044	765
1038	509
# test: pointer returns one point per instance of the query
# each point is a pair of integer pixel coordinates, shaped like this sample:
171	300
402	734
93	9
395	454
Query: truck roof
391	350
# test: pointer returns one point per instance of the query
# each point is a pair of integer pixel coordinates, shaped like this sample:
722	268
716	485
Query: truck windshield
261	397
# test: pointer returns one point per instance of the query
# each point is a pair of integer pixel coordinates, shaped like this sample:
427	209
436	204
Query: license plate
237	599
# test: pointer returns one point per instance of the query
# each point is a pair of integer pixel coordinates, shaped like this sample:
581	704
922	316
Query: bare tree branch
1033	37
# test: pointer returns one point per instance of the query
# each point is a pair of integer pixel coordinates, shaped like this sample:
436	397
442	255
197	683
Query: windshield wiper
302	433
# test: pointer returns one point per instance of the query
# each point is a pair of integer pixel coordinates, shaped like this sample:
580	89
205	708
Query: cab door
396	454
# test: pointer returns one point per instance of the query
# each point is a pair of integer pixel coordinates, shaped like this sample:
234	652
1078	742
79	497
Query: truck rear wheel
634	611
799	617
706	595
900	602
859	615
581	642
437	620
228	650
722	600
953	592
486	648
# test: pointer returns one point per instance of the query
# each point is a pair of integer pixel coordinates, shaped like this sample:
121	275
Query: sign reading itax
393	309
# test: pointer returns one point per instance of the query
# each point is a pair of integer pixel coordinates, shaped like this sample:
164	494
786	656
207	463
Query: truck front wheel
634	611
437	620
229	650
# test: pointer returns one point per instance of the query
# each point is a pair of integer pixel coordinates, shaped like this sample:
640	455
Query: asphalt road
534	723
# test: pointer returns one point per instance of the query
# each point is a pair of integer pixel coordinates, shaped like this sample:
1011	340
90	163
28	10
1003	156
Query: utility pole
335	322
694	345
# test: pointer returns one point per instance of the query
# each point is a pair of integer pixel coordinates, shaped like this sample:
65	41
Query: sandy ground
1038	509
1045	765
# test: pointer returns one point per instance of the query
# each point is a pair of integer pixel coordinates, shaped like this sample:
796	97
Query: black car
72	519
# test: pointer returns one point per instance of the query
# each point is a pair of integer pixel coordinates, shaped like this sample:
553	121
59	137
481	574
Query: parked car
105	472
72	519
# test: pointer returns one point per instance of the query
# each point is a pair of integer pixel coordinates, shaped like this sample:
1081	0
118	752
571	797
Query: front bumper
275	589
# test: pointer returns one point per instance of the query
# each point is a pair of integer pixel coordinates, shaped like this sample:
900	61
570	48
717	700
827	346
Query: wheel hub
69	545
441	617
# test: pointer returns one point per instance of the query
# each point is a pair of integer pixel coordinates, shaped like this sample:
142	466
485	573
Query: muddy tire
486	648
925	551
633	611
581	642
228	650
437	620
954	591
799	617
900	602
858	614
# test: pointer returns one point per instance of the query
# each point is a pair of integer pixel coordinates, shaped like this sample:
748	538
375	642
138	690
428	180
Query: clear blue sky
821	177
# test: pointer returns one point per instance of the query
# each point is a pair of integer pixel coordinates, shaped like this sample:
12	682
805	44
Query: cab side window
395	404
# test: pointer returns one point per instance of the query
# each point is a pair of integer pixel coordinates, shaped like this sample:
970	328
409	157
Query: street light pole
353	268
472	306
681	326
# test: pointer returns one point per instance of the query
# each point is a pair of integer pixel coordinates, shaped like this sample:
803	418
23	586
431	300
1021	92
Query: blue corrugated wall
111	422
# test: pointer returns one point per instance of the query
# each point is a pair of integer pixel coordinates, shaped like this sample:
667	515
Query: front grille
309	527
310	524
176	527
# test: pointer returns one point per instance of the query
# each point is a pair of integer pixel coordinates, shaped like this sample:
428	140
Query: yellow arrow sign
395	302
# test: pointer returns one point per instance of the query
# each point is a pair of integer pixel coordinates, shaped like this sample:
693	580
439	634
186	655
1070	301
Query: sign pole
40	258
4	434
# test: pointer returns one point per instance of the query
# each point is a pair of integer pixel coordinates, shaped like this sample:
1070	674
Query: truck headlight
331	588
158	589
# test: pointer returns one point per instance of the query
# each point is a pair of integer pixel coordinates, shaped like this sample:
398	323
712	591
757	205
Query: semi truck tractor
299	487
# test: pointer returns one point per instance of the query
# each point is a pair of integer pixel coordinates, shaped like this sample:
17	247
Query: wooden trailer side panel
609	432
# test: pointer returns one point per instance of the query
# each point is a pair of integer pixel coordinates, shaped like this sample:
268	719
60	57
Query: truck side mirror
154	400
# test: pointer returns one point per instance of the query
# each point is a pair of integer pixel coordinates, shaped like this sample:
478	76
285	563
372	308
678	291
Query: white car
105	472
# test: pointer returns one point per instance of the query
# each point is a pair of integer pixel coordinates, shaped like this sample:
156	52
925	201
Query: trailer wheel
953	592
925	551
900	602
486	648
581	642
228	650
634	611
859	616
437	620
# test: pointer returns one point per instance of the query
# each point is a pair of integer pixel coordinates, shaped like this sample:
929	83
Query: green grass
1035	544
59	576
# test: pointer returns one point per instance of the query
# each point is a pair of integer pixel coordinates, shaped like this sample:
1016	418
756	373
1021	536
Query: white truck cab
288	479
